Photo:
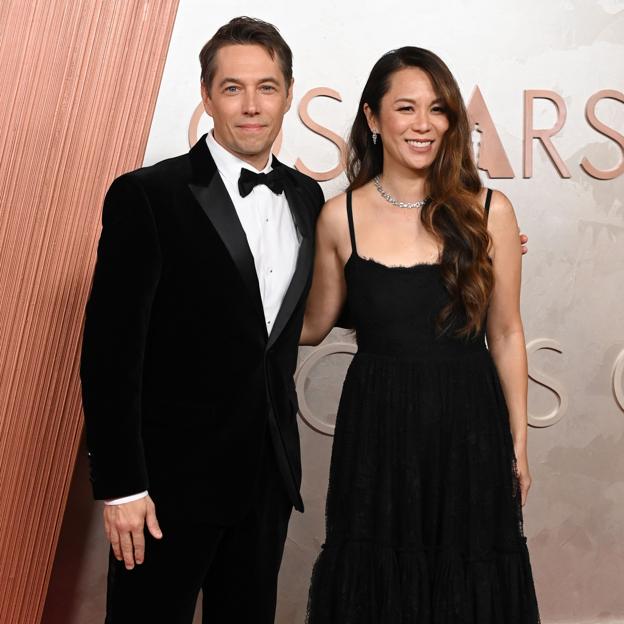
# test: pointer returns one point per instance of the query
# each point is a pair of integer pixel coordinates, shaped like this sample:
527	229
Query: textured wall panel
79	82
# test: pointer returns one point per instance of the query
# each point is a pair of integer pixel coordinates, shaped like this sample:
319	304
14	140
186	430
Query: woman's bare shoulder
501	212
335	208
333	222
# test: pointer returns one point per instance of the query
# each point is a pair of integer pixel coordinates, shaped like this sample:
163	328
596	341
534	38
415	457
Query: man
190	346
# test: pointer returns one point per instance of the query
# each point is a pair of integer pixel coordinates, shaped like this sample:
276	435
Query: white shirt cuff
126	499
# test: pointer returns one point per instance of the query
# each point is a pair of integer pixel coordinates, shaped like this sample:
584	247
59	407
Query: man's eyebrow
227	80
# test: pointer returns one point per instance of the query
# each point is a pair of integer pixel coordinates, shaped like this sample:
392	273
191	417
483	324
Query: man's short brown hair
245	31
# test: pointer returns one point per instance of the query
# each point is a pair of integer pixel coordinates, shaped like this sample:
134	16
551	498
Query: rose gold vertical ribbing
79	85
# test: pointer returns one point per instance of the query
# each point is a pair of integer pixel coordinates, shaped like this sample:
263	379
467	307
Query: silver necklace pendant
396	202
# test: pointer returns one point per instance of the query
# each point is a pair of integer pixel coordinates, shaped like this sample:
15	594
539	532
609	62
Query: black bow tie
248	179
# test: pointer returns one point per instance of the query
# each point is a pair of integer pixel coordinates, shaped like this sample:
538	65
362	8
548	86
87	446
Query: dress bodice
394	309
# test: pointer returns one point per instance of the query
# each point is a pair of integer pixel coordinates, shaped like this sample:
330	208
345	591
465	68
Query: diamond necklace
396	202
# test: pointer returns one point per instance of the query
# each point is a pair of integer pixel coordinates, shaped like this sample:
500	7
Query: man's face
247	101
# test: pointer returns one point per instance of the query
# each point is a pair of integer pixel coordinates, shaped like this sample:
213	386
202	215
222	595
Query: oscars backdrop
543	83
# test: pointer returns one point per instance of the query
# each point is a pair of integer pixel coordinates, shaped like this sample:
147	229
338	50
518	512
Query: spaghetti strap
351	226
488	197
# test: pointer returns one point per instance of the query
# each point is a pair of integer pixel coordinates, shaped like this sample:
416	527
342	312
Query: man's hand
124	529
524	239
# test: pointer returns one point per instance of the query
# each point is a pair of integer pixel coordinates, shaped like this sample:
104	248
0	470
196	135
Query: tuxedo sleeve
116	326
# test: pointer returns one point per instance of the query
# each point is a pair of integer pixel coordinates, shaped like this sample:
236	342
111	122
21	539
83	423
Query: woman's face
411	120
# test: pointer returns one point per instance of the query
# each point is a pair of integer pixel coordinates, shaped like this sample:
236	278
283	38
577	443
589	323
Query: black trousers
236	567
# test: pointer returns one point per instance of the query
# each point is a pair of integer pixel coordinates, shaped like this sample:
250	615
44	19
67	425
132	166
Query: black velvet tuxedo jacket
182	387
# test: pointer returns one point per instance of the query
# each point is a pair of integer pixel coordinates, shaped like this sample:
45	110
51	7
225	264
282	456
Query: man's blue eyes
235	89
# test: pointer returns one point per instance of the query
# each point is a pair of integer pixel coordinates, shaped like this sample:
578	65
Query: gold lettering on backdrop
492	157
618	379
193	129
547	420
489	151
590	113
541	378
338	141
543	134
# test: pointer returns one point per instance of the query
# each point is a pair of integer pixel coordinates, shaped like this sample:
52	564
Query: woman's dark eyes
434	109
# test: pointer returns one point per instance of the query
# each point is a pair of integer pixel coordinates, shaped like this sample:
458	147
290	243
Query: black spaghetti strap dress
424	519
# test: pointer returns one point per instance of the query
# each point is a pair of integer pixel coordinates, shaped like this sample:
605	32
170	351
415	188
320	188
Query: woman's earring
374	138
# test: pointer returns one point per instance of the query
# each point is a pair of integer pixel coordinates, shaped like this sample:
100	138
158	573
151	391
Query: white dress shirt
268	226
271	235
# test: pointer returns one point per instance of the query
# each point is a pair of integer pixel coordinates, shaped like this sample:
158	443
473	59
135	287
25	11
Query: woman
429	466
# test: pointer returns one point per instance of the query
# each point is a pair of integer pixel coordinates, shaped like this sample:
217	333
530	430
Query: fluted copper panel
79	84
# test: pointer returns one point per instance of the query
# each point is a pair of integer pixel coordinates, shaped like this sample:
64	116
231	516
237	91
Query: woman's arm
505	334
328	291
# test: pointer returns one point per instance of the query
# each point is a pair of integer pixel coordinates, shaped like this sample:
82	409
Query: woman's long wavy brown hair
454	214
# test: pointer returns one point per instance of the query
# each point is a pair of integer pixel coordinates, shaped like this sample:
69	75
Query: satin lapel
297	206
212	196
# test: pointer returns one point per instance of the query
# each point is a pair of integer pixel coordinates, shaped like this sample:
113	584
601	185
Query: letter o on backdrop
618	379
303	373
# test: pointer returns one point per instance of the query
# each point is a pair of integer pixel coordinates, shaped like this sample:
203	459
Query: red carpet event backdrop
94	89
